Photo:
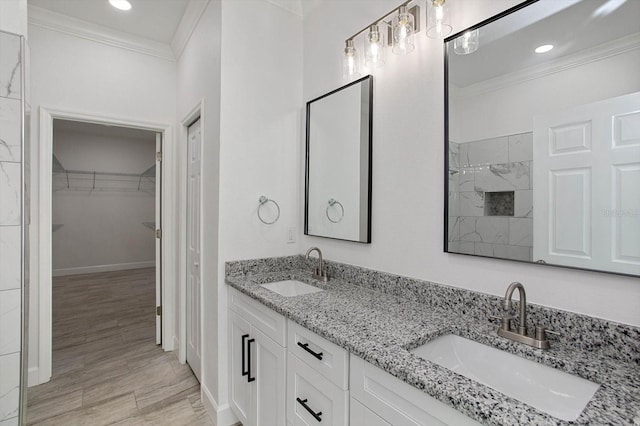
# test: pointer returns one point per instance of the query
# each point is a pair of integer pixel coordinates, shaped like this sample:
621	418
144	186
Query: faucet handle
541	332
505	321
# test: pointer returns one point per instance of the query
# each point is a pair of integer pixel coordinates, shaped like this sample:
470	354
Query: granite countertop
382	329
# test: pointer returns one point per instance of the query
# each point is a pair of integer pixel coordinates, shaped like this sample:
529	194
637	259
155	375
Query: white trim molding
79	270
187	25
76	27
168	262
221	415
598	53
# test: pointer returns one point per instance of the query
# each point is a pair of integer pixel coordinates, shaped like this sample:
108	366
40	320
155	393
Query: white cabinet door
397	402
586	186
359	415
240	387
312	399
269	363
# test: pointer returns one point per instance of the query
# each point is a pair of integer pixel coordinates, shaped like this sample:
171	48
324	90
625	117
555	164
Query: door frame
44	219
197	112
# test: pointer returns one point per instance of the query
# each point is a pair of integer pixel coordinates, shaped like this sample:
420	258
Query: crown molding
293	6
76	27
598	53
187	25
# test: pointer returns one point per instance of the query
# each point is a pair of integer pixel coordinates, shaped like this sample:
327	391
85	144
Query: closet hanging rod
84	172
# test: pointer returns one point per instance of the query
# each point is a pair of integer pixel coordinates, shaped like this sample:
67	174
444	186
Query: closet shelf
86	180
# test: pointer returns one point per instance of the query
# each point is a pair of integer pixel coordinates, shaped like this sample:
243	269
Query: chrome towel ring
262	201
332	203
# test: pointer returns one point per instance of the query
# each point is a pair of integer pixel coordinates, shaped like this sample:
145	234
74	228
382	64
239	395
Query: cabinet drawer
266	320
312	399
325	357
397	402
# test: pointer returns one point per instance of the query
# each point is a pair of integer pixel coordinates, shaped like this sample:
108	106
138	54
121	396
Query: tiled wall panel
10	227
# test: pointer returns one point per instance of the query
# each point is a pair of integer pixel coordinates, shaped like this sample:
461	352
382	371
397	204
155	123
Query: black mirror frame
368	78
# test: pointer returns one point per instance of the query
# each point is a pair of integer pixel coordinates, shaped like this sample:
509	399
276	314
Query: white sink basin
555	392
290	288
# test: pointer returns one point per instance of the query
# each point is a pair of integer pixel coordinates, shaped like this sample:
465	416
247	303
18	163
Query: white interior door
586	174
158	219
193	302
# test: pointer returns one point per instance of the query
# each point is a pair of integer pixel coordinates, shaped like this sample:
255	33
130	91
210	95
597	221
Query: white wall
76	74
103	230
490	114
250	82
198	77
407	231
260	137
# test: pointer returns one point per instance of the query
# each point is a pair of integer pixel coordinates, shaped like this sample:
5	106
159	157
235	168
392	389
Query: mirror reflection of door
193	302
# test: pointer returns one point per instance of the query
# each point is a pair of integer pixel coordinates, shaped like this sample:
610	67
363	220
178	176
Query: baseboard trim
221	415
103	268
33	376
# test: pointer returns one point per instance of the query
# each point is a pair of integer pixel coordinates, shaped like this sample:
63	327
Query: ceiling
155	20
573	26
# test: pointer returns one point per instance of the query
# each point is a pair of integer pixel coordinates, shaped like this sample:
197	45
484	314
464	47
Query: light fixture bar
415	11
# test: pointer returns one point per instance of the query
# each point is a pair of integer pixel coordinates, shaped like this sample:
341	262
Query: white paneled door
193	302
586	180
158	235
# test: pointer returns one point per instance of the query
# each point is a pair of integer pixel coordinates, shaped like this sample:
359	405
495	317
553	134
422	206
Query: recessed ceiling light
120	4
544	48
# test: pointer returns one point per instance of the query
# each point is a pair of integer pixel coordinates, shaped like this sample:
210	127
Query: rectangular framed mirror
542	136
338	163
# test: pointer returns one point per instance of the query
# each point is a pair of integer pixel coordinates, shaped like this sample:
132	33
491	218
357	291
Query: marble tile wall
491	165
10	226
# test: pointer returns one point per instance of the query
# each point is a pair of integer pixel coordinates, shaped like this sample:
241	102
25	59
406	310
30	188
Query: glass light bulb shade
350	62
438	19
403	33
120	4
467	43
374	48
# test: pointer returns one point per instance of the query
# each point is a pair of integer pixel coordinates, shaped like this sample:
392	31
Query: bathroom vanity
350	354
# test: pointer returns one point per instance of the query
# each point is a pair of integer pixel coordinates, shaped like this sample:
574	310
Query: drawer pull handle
305	346
315	415
249	378
245	371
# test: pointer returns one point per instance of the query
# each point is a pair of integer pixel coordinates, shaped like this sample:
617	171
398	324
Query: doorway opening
106	251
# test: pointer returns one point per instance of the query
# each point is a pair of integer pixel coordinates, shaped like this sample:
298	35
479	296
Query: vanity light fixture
544	48
438	19
403	30
374	47
400	31
350	61
120	4
467	43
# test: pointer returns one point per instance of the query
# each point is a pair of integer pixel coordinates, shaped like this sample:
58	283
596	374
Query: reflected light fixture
374	47
544	48
403	29
438	19
350	61
467	43
120	4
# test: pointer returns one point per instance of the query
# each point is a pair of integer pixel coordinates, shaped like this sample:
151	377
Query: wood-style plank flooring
107	368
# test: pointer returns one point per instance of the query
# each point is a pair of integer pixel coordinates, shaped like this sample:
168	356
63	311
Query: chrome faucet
507	304
319	273
539	340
